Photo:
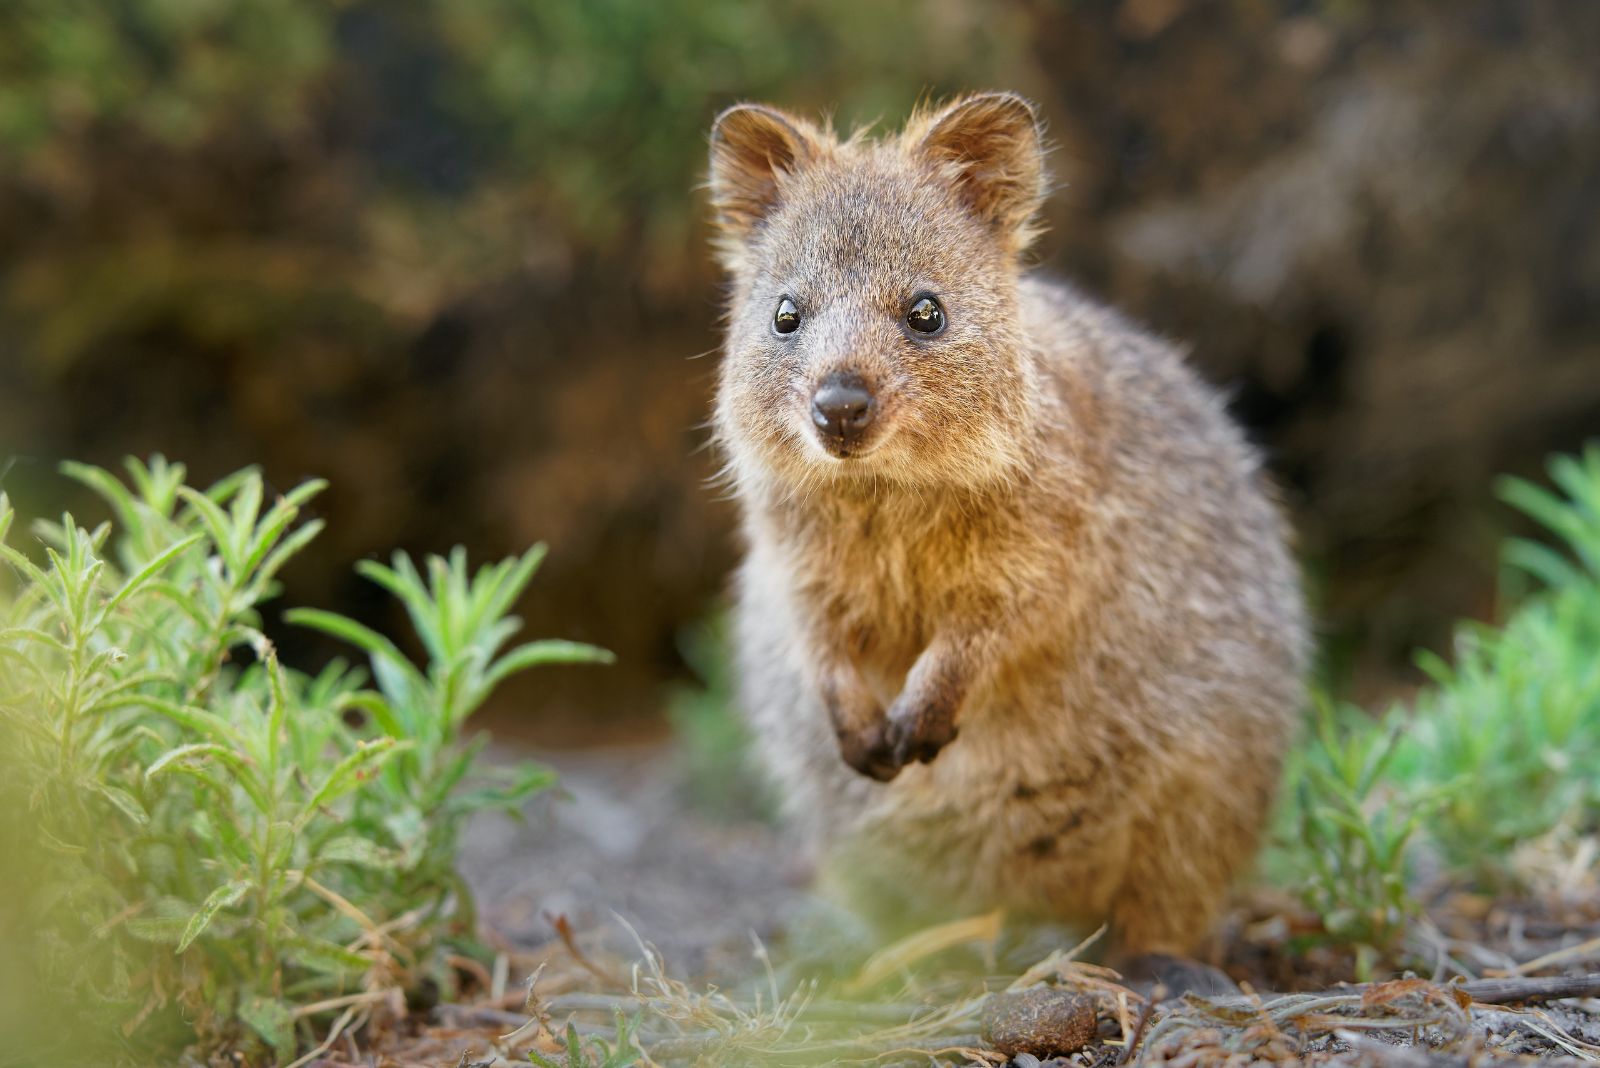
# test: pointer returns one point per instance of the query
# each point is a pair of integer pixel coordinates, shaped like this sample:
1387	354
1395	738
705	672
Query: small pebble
1039	1022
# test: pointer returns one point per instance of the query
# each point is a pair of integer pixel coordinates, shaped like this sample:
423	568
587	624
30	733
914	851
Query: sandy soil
618	841
620	846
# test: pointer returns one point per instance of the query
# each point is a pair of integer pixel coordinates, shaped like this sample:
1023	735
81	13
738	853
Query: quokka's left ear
753	149
991	147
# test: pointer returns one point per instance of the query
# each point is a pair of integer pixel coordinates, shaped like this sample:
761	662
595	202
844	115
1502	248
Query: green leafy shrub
227	848
1351	825
1512	729
1495	760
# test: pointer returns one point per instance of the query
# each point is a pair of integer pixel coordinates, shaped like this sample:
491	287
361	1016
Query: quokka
1018	624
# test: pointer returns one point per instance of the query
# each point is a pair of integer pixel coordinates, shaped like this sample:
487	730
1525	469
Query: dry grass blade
901	955
1582	951
1554	1032
370	997
339	1027
569	938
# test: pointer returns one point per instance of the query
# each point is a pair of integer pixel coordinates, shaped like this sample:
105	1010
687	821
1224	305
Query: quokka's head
873	330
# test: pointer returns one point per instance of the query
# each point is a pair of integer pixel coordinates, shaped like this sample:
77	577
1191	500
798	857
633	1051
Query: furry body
1038	641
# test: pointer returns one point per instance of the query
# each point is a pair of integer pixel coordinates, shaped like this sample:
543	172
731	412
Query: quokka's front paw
869	751
917	734
862	731
879	745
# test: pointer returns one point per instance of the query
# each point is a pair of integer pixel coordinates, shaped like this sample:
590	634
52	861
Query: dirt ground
618	841
621	858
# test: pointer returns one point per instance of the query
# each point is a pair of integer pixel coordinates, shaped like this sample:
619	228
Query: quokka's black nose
842	407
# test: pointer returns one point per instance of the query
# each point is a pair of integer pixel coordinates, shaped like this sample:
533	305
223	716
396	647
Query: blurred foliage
1511	729
447	254
1488	778
712	738
175	70
415	154
215	841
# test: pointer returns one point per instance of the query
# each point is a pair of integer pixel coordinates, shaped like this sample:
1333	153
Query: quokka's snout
851	376
856	397
842	410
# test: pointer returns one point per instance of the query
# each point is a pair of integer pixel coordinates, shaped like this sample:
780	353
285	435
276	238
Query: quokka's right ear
991	150
753	148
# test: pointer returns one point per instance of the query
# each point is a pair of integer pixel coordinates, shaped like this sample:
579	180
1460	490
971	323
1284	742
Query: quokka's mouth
847	450
842	450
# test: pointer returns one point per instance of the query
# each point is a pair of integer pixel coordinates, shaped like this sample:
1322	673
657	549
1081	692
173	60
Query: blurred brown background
451	256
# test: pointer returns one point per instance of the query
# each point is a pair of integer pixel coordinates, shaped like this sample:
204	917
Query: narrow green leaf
102	699
244	773
244	510
198	720
29	569
346	775
164	930
146	573
277	708
408	588
358	851
123	802
224	896
509	796
273	1021
225	487
574	1045
382	713
282	553
216	523
516	580
180	599
277	520
550	651
454	771
323	956
28	634
1542	562
109	488
348	630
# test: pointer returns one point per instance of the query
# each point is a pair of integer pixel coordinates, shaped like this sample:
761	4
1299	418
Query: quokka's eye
786	320
925	316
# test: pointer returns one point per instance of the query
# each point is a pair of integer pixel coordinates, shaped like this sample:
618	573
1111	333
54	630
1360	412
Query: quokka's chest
883	594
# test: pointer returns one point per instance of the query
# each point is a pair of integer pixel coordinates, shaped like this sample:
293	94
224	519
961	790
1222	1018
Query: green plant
1352	824
230	849
1491	762
1513	728
596	1052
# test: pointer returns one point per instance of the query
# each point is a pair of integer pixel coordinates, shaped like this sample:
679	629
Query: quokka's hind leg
1200	836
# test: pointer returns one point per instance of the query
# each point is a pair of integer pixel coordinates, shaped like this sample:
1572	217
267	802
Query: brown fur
1038	641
